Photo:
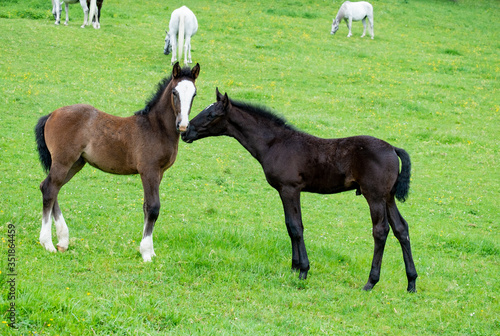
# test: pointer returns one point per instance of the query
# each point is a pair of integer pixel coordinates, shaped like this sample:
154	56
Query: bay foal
144	143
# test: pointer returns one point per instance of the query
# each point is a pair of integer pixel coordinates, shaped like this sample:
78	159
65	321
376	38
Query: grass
428	83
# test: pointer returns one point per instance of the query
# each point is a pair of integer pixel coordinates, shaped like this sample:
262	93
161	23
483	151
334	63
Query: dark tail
43	151
403	182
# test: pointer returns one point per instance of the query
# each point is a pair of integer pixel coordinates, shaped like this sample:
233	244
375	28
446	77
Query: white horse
183	24
94	11
354	11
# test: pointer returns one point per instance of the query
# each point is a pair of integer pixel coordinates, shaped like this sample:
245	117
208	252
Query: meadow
428	83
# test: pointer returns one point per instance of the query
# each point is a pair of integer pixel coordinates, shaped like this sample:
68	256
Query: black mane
160	88
264	112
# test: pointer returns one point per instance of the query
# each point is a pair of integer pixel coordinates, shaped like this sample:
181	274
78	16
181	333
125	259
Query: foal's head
212	121
183	93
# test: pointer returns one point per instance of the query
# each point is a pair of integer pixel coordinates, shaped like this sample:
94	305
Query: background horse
354	11
145	143
183	24
294	161
95	11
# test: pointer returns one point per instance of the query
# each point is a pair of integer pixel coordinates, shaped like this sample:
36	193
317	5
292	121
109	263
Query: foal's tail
43	151
403	182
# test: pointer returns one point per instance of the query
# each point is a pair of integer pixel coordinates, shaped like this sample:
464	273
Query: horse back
104	141
335	165
357	10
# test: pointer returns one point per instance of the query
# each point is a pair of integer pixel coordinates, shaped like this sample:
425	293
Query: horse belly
110	157
328	183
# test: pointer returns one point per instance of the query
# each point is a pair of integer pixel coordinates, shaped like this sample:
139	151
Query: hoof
412	287
61	249
369	286
303	275
49	247
148	256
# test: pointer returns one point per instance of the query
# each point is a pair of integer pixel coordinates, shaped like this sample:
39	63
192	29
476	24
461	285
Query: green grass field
428	82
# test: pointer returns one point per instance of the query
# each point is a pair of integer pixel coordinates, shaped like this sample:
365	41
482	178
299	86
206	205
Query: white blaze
186	91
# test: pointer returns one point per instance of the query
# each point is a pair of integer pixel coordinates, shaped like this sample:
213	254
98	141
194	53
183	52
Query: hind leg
187	51
380	231
48	204
173	41
66	7
85	9
370	21
401	231
50	187
61	228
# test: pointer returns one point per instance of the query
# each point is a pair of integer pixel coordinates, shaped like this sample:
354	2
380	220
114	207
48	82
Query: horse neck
162	115
253	132
340	13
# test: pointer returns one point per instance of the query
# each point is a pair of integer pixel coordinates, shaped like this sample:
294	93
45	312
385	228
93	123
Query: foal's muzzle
189	136
182	128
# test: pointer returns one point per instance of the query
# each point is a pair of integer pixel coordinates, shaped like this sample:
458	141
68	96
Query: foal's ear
226	102
218	95
195	71
176	71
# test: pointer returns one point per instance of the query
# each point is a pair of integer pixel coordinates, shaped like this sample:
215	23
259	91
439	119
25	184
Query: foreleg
364	27
293	218
349	24
151	184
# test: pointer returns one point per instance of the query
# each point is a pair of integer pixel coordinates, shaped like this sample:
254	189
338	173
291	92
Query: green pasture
428	83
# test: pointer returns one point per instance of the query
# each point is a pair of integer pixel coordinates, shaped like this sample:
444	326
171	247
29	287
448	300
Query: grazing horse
94	16
144	143
354	11
294	161
182	26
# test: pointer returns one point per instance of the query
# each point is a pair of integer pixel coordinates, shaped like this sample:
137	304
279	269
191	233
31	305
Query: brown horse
294	161
144	143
